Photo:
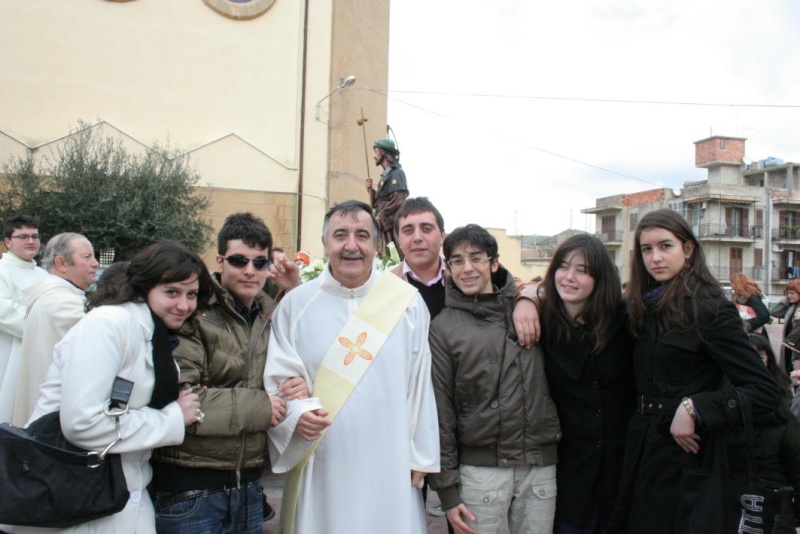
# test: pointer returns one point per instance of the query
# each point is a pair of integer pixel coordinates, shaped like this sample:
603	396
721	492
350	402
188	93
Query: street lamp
350	80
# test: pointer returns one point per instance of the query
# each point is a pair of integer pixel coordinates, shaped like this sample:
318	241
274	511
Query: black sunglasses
240	262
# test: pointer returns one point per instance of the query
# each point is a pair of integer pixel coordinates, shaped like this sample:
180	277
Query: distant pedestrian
748	299
787	309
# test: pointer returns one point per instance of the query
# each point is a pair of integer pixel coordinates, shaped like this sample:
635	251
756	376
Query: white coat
112	340
54	306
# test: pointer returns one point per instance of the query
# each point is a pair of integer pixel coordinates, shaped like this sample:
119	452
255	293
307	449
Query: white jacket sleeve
102	347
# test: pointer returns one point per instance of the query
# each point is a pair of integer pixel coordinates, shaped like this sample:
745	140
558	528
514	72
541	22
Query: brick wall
643	197
718	150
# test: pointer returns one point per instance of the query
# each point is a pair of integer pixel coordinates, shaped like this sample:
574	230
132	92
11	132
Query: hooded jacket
492	396
220	352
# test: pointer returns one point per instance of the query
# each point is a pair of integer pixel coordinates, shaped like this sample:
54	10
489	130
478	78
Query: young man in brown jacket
498	426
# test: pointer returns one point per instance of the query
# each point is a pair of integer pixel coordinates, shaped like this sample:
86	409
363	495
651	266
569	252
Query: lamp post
350	80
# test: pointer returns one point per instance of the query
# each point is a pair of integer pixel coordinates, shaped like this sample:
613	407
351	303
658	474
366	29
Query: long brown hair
606	295
670	311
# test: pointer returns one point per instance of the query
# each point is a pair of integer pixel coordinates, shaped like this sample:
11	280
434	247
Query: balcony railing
724	272
786	272
729	230
609	237
786	232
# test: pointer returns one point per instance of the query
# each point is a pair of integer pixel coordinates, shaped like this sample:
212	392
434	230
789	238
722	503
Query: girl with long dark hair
588	356
688	337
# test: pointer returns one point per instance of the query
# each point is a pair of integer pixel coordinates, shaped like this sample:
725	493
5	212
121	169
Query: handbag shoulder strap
748	425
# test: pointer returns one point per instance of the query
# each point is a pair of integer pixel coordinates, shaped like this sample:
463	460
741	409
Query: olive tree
119	201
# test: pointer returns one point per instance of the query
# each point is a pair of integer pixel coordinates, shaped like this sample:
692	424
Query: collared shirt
249	314
409	273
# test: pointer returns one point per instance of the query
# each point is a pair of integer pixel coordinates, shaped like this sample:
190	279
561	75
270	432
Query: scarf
165	389
654	295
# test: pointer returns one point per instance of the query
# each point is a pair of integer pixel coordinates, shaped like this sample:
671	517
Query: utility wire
606	100
522	143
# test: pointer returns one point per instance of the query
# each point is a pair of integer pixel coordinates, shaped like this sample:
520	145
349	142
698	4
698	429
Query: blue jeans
236	511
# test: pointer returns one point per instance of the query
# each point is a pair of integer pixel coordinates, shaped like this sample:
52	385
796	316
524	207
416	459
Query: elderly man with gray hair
54	306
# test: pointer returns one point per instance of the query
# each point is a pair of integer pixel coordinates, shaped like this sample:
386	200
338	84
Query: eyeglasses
240	262
26	237
457	263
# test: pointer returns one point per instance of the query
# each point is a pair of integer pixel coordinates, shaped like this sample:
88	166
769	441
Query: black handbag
715	501
48	482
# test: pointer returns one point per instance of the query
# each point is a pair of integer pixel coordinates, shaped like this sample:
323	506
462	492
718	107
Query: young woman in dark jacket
786	309
688	336
588	362
777	442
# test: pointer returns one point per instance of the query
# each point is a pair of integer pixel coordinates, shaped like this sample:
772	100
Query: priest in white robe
365	474
18	271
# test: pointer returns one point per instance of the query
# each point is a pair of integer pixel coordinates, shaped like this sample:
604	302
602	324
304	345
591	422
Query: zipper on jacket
239	465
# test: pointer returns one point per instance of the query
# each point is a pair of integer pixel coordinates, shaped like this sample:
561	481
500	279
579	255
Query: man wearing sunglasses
211	483
18	271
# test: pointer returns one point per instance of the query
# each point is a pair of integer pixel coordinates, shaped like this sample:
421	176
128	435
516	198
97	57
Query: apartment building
746	217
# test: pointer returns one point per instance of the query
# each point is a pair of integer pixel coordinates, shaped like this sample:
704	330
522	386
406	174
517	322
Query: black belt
175	498
655	405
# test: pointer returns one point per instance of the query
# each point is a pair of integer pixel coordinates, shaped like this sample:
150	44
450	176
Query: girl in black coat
588	361
688	336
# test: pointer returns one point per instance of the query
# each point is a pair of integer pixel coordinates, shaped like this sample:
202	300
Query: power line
603	100
522	143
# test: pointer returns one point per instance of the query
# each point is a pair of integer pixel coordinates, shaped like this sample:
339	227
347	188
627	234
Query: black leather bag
48	482
715	501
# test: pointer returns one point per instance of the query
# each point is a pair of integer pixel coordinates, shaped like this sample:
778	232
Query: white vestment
16	275
359	478
54	306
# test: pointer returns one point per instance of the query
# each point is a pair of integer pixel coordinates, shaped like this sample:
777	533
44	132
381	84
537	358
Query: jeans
236	511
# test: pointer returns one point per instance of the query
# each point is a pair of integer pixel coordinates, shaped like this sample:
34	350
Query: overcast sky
503	109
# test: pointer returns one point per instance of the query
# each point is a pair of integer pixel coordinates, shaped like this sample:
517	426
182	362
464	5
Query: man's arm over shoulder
229	411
